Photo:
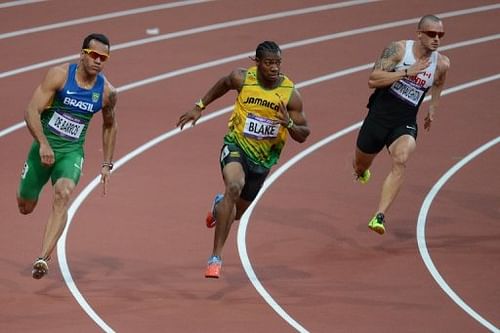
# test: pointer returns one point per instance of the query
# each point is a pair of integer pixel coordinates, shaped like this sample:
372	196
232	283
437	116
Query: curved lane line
256	19
61	244
218	62
221	61
241	239
422	245
246	21
211	27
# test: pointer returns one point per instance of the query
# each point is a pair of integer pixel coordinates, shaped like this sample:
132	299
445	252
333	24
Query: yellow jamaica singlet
253	125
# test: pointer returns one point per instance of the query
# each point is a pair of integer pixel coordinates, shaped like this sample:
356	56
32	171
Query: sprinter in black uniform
402	75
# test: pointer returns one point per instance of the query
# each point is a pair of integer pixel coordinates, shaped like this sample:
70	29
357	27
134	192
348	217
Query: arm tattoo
112	99
385	62
109	109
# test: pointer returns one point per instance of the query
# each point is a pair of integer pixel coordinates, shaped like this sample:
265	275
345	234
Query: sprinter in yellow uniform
268	108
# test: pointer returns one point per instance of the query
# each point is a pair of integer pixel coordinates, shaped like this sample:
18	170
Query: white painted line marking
241	238
61	244
193	31
422	244
101	17
214	63
19	3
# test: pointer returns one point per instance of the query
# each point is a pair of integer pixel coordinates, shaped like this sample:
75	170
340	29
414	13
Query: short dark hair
266	46
99	37
426	18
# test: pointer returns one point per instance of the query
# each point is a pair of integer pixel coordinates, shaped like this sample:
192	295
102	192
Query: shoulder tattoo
386	62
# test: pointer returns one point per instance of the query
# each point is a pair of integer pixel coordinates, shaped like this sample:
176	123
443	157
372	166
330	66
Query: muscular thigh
410	129
255	175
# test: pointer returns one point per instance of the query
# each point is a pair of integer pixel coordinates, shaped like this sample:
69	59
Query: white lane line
247	21
19	3
286	46
422	245
63	261
191	69
221	61
101	17
243	224
61	244
12	128
193	31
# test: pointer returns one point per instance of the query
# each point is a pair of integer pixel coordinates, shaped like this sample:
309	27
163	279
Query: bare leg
362	161
234	179
58	216
400	151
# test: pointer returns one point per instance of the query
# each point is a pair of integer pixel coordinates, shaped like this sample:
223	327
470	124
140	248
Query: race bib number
408	92
66	126
260	128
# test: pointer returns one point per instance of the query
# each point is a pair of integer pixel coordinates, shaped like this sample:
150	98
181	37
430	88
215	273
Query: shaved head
427	19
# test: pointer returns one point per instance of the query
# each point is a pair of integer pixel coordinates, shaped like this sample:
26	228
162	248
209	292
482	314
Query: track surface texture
303	259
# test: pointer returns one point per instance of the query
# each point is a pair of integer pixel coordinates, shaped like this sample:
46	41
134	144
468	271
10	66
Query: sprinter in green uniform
57	117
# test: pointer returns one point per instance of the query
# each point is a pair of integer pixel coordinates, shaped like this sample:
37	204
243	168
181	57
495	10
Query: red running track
137	256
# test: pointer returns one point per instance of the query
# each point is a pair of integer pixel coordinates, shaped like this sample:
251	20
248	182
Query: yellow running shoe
365	177
377	224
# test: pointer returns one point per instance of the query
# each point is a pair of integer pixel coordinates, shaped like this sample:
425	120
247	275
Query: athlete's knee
399	166
63	190
401	157
62	195
234	189
401	149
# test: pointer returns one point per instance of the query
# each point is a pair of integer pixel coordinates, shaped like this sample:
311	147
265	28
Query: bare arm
233	81
437	87
292	116
53	81
383	73
109	130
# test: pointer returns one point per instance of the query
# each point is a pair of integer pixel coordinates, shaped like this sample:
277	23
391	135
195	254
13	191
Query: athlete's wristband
200	104
108	164
290	123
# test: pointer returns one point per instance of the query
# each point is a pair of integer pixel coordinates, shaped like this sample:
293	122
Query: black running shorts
255	174
372	136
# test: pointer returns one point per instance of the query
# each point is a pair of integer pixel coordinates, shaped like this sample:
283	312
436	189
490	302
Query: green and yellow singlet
253	125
